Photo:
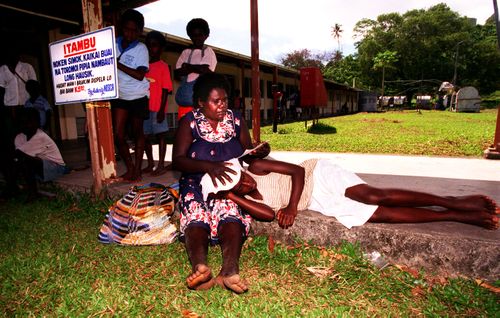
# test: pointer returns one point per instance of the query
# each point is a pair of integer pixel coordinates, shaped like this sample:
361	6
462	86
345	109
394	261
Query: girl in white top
195	60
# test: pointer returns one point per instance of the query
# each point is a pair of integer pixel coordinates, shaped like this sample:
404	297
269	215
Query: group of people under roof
25	123
226	180
144	84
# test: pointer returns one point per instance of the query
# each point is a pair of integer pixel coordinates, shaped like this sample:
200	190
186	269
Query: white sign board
84	67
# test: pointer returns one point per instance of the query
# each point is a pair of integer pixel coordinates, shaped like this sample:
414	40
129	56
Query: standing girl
193	61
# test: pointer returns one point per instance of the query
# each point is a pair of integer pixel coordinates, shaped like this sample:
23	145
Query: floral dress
208	144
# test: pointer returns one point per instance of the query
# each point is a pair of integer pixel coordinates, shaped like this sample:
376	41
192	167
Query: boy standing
160	85
239	103
132	106
38	102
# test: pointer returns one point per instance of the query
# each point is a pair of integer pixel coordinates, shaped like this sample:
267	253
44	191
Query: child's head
12	57
30	120
245	186
198	31
132	24
155	41
206	83
33	88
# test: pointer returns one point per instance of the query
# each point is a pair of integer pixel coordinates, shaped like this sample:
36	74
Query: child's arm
257	210
199	68
160	116
137	73
187	69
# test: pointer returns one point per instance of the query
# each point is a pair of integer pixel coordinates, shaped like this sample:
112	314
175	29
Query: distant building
424	102
467	99
367	101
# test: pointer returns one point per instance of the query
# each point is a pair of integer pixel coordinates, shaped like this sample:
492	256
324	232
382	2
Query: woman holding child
206	137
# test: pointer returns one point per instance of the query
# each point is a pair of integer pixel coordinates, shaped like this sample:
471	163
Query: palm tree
337	33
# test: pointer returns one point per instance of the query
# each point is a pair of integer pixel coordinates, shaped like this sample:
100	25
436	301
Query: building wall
72	116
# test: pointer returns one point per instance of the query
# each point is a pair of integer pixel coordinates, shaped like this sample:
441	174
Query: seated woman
317	184
206	137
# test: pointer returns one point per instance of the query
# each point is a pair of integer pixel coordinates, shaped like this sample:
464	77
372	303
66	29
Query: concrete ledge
442	247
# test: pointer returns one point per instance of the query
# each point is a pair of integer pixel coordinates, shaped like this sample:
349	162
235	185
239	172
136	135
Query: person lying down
271	188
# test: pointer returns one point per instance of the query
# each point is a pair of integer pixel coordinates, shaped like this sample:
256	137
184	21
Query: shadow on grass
321	129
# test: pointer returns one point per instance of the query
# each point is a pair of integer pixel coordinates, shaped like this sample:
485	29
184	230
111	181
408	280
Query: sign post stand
100	124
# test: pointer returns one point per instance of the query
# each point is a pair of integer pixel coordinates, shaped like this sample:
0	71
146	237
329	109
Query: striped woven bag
142	216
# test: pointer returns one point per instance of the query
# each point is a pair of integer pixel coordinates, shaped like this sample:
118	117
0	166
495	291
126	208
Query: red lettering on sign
79	47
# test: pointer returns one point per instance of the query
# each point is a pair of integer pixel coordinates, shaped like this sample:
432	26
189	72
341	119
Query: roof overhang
48	14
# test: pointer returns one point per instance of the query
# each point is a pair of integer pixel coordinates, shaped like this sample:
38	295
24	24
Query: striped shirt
276	187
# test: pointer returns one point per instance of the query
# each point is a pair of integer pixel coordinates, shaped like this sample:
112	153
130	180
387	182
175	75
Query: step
447	248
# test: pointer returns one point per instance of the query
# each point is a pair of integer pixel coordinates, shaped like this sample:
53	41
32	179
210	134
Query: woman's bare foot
232	282
475	203
201	278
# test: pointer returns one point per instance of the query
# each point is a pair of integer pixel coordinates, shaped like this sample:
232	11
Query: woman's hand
221	171
286	217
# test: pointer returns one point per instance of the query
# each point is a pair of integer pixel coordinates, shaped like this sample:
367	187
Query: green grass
51	265
431	133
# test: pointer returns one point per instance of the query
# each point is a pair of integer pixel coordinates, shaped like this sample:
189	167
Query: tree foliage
385	60
427	42
430	45
344	71
304	58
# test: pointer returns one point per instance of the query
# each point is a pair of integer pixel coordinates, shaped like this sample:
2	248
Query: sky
288	25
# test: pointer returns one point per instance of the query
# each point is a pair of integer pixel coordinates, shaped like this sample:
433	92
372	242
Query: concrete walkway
442	247
421	166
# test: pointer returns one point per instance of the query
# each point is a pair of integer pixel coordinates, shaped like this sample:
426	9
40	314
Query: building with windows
29	26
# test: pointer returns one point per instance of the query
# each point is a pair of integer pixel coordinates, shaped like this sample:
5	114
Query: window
247	87
269	89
